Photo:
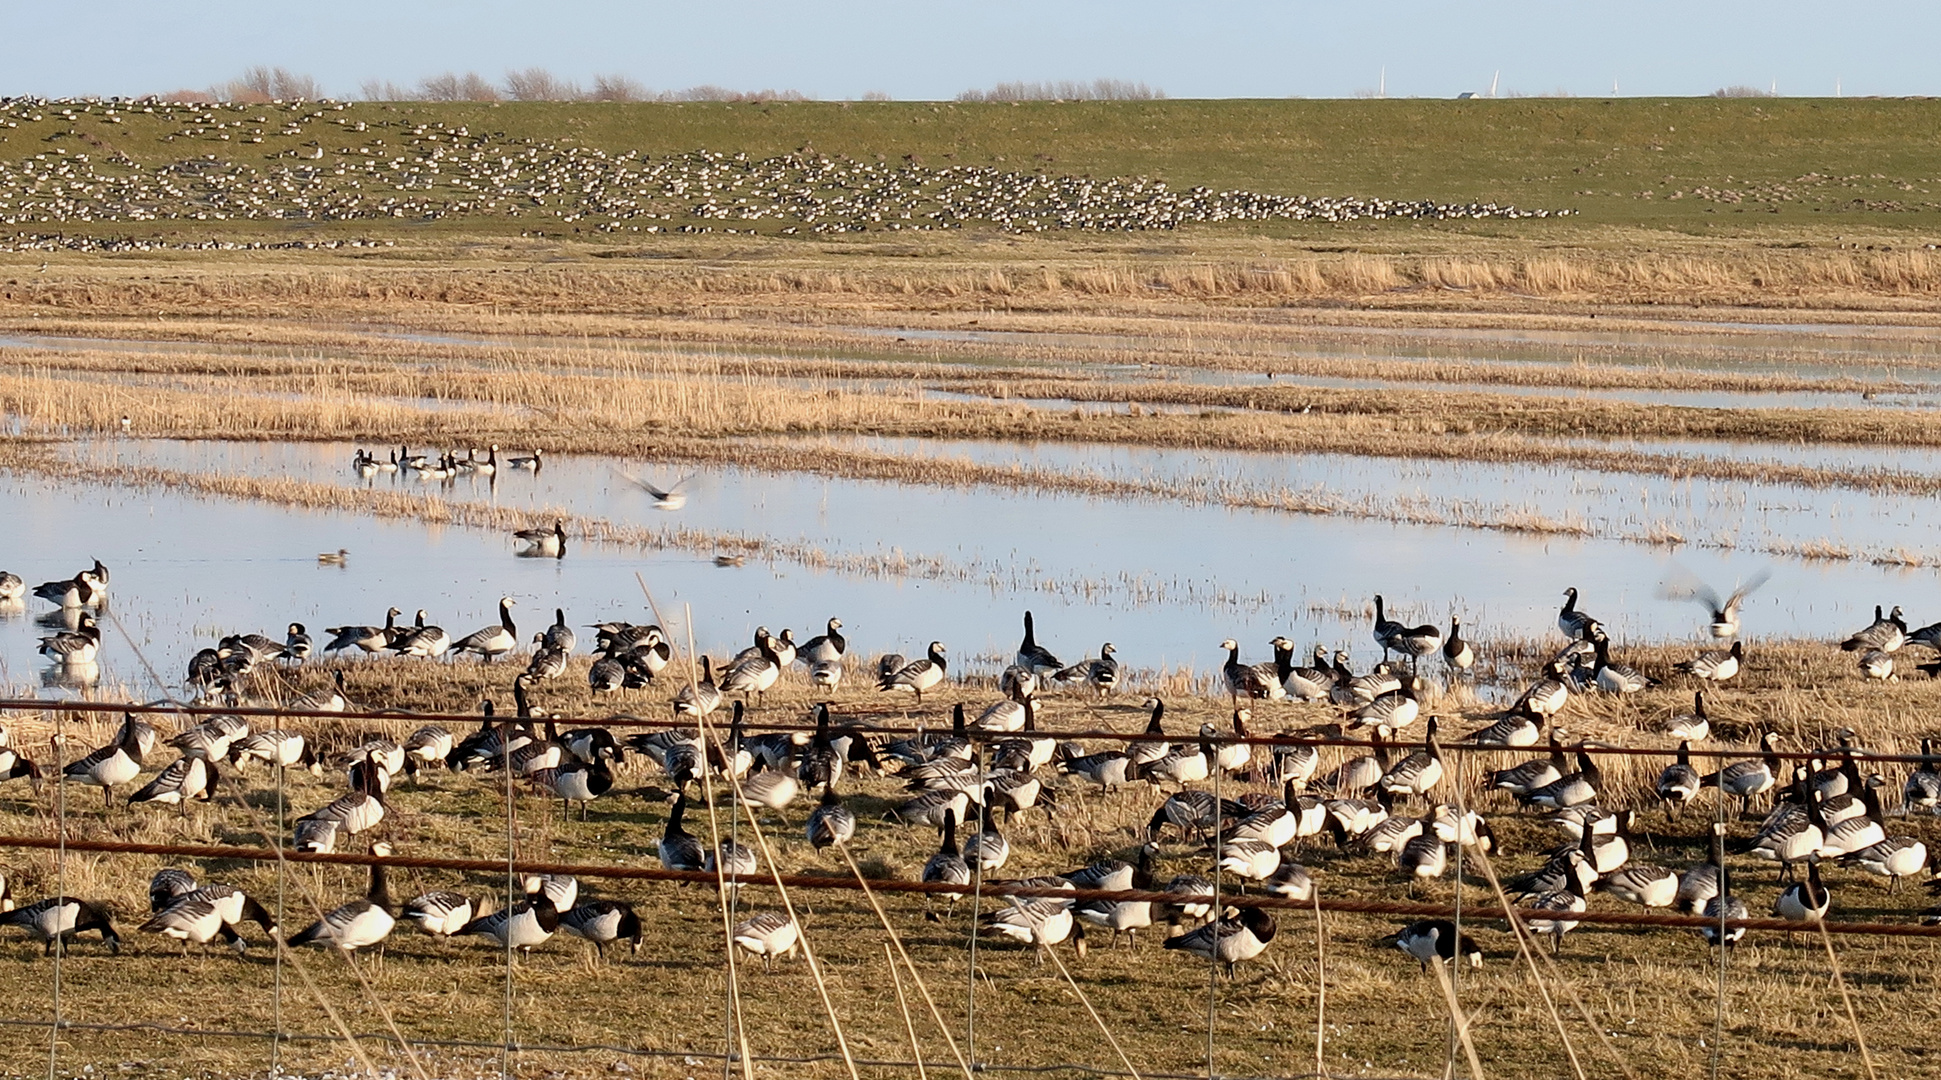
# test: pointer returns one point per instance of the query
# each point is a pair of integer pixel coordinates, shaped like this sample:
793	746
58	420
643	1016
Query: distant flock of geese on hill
1824	811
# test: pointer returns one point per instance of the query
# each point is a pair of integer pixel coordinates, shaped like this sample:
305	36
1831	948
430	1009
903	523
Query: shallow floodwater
1184	486
1164	581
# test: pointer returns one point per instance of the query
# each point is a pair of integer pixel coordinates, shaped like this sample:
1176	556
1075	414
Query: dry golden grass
958	273
1653	990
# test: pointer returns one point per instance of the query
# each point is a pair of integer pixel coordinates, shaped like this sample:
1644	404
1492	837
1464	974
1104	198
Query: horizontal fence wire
991	888
629	721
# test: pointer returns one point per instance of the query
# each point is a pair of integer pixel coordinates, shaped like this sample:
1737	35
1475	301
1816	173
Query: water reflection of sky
1164	581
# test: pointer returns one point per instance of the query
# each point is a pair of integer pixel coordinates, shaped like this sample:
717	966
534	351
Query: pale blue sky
920	49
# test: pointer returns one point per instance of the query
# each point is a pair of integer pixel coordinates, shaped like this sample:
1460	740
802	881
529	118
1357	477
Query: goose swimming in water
74	648
543	543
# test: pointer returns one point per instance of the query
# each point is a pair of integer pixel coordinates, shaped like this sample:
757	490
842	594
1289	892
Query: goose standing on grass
1436	941
575	782
1041	922
1693	726
679	849
1894	858
116	763
1715	667
754	674
296	644
360	923
493	641
1724	908
946	867
701	698
1419	772
831	822
1034	657
1743	780
440	913
1361	773
422	640
1457	654
198	917
1568	900
1315	683
919	675
1804	901
986	849
1549	694
543	543
1923	788
1679	783
1877	664
1887	633
1395	710
1102	675
731	860
185	779
526	924
368	638
604	922
1230	940
1701	883
769	935
1247	680
826	647
1610	676
1572	789
1571	621
56	921
1414	642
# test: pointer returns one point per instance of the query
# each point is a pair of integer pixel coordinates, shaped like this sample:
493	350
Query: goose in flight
1724	622
671	499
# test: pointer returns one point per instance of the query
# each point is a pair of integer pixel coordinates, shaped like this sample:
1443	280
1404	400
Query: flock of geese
329	166
1822	811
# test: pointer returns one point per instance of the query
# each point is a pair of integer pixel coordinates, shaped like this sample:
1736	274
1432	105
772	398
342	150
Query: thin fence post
1213	969
977	912
276	996
60	889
